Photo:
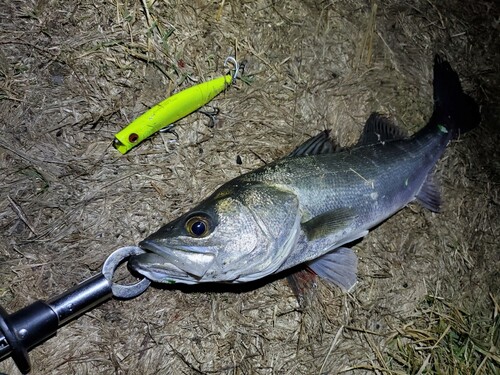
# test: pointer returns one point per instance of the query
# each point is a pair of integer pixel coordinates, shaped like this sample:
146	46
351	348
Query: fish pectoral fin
339	267
429	195
327	223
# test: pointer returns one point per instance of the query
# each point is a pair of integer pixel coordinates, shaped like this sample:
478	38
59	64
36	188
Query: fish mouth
180	264
153	267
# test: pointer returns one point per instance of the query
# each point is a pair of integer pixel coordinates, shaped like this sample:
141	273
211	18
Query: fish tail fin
453	109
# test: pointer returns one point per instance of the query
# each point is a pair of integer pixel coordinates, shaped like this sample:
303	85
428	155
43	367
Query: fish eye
197	226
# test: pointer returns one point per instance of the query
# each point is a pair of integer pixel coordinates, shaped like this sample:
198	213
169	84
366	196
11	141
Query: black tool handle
34	324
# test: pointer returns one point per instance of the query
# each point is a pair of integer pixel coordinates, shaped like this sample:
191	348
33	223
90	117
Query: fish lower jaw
159	276
155	268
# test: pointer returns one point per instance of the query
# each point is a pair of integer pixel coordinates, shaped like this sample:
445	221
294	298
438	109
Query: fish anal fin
378	129
319	144
339	267
429	195
323	225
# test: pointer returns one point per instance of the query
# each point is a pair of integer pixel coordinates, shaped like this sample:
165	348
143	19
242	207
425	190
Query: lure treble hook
232	60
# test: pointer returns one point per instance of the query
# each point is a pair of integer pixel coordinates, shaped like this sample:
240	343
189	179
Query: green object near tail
169	111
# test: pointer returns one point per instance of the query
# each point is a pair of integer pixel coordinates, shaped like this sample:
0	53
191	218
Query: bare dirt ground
73	73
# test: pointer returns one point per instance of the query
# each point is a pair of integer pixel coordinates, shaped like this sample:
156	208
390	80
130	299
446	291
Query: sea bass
303	209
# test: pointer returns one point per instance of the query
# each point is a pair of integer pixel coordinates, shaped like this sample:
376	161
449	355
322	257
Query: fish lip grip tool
172	109
36	323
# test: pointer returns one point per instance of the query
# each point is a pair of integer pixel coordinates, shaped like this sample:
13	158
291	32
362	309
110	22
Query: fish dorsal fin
319	144
429	194
379	129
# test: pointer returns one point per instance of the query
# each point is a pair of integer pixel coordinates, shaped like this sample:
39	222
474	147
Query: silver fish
303	208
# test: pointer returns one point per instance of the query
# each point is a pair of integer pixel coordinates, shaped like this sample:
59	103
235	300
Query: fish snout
190	260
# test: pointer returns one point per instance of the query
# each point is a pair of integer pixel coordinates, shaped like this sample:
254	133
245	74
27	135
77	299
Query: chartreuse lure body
169	111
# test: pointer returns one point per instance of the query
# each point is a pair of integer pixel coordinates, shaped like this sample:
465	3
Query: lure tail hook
232	60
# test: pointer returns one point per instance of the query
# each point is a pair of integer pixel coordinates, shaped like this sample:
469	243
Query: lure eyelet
197	226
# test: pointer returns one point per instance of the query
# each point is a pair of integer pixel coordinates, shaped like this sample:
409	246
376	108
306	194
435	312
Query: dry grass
443	339
73	73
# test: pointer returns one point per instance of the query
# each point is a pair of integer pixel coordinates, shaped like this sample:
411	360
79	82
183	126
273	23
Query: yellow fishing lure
171	110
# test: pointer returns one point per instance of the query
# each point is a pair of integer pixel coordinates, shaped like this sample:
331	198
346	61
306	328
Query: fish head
237	234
